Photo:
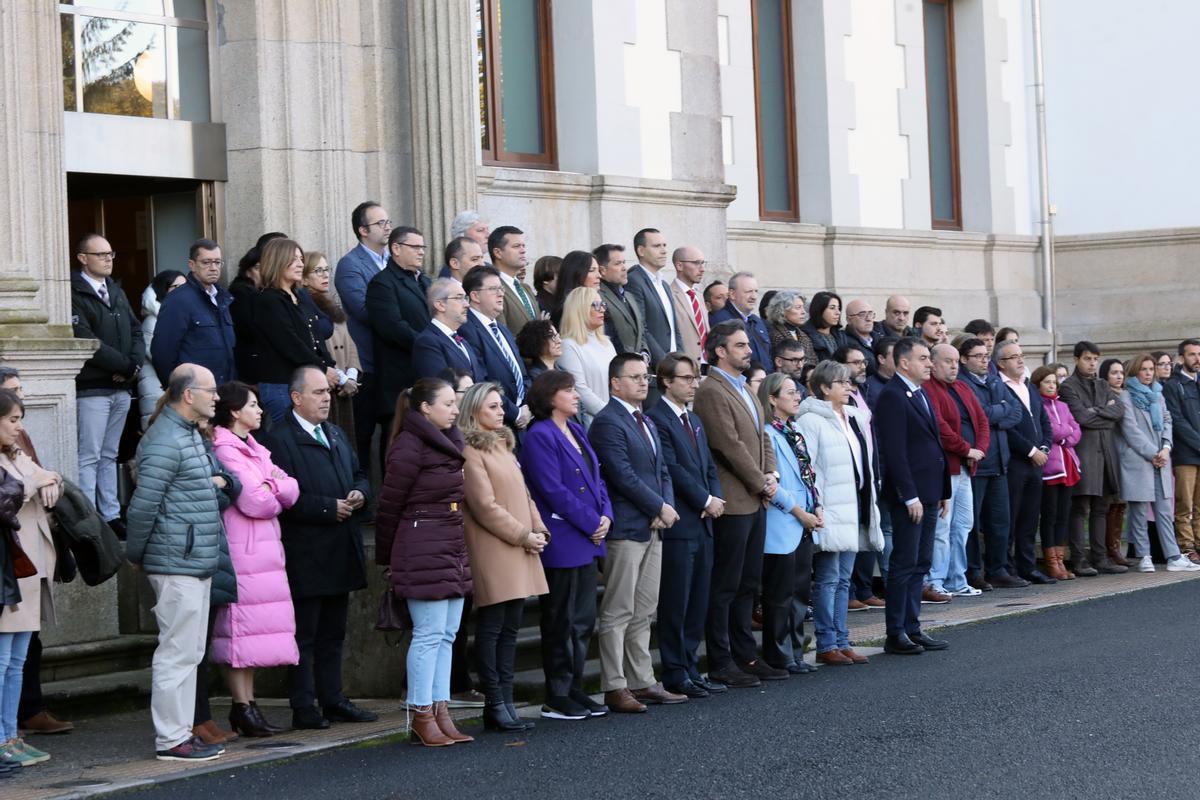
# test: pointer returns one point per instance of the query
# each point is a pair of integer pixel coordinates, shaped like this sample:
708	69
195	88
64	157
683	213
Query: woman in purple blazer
563	476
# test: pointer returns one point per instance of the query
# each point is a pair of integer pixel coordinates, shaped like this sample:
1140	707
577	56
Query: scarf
800	448
1147	399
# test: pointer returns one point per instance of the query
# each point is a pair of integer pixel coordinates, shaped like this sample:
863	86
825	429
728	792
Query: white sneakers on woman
1179	563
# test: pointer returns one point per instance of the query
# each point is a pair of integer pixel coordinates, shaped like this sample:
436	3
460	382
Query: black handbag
393	613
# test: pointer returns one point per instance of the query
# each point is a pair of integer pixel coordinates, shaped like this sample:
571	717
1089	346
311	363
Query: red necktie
699	316
687	423
641	421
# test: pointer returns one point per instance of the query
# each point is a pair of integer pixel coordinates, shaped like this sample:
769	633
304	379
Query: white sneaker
1182	564
1146	565
967	591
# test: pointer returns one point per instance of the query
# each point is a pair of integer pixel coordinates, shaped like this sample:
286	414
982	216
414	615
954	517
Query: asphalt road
1088	701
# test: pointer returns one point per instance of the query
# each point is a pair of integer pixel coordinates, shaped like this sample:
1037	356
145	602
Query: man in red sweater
965	435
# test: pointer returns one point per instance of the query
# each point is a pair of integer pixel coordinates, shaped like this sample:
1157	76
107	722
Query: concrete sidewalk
115	752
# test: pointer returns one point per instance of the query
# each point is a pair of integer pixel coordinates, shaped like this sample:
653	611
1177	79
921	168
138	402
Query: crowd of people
720	460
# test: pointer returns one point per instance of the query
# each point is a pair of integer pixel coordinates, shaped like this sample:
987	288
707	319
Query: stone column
441	45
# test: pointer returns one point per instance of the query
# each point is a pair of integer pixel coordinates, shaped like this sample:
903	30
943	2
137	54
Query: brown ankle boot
1062	563
424	729
1054	565
445	723
1116	522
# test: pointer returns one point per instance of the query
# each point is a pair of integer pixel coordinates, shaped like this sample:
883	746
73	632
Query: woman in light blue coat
793	513
843	459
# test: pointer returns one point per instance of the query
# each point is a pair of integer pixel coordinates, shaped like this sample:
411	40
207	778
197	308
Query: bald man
860	330
897	318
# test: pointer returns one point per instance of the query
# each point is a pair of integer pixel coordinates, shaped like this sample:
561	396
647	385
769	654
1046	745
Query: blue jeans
101	420
274	399
831	599
13	647
948	572
435	624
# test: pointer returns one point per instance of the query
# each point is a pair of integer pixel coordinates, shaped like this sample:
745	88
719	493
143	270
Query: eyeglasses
106	256
209	389
844	381
317	271
599	305
863	314
456	297
382	223
418	247
687	378
643	378
491	289
217	262
1014	356
977	355
699	263
786	360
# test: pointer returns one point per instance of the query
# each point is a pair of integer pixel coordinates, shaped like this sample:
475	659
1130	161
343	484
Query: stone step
84	659
103	693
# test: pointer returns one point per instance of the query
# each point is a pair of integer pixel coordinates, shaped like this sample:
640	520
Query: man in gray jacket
174	526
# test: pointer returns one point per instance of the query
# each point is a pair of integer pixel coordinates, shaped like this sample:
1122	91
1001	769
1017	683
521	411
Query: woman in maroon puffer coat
419	535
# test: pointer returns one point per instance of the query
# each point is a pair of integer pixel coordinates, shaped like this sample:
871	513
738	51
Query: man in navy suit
495	343
635	471
440	347
916	484
687	545
654	294
742	306
397	311
354	272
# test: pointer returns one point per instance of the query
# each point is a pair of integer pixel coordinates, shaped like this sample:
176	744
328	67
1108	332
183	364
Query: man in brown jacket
734	420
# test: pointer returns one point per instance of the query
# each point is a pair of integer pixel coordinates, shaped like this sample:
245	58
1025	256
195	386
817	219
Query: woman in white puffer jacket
150	388
843	458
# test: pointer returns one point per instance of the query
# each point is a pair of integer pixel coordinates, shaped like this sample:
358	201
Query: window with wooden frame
515	61
775	110
941	104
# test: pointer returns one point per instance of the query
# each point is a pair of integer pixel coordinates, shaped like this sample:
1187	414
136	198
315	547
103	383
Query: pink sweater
260	629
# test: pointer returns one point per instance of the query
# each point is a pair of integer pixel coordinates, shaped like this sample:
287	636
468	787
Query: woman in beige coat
341	346
19	620
505	534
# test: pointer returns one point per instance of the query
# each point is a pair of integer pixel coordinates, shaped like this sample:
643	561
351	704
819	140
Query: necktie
512	365
320	437
641	421
519	290
924	402
102	290
698	315
687	424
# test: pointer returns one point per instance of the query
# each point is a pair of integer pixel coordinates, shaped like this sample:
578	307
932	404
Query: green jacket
173	522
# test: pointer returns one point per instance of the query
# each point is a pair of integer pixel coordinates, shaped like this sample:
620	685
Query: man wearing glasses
100	310
860	330
689	301
194	324
790	359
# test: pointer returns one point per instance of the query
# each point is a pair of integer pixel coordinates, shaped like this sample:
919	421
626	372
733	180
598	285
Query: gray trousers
1164	520
101	421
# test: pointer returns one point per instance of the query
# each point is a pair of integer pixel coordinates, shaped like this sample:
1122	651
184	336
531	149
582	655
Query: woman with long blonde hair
587	351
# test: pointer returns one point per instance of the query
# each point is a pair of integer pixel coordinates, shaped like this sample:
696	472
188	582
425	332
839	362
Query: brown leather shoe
834	658
658	695
204	732
875	602
45	722
857	605
1193	556
622	701
931	595
849	653
445	723
424	729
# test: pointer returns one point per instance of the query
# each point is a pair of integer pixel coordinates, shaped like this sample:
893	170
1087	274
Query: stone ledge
548	184
808	233
1163	237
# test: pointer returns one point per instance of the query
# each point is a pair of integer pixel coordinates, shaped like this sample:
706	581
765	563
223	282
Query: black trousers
683	605
320	634
786	593
863	577
993	514
366	420
462	656
1092	509
1056	512
737	572
203	711
912	554
568	620
1025	506
31	686
496	629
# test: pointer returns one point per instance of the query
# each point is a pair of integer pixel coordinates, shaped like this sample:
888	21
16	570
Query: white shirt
310	429
632	409
664	297
95	284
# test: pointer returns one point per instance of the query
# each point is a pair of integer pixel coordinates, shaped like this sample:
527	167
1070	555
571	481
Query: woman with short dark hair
545	280
540	345
824	326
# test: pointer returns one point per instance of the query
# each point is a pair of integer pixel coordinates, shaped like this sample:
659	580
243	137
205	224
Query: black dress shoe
763	671
497	718
734	678
688	689
901	645
1039	577
801	668
1008	582
928	642
308	719
346	711
712	687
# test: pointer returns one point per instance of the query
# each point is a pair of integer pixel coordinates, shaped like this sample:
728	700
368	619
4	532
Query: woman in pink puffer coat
260	629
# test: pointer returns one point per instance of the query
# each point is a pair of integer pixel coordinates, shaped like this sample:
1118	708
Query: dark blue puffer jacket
1003	411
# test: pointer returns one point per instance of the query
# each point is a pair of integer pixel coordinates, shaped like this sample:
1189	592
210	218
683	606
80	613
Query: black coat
121	350
12	497
324	556
288	335
245	336
692	469
397	312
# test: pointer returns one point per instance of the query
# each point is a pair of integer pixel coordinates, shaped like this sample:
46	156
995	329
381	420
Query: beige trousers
181	609
631	576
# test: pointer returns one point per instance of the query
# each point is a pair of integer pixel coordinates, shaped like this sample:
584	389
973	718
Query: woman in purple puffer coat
1059	474
259	630
419	535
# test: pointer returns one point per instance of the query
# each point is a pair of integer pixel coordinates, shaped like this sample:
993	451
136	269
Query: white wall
1122	113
